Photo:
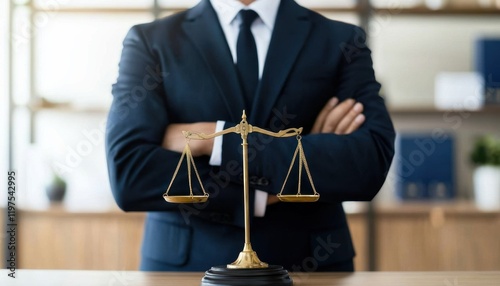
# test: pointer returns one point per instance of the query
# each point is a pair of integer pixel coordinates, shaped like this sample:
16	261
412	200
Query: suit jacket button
263	182
254	180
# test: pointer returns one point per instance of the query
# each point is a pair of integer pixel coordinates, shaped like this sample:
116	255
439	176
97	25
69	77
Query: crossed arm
338	118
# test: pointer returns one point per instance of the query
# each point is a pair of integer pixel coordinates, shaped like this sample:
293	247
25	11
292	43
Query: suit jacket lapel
290	33
203	28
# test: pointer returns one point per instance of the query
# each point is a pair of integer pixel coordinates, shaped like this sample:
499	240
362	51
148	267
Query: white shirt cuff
216	156
260	203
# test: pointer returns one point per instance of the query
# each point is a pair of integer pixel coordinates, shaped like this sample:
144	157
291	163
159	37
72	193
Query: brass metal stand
247	269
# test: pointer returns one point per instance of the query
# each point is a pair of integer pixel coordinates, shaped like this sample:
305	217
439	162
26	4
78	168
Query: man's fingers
320	120
355	124
272	199
336	115
348	119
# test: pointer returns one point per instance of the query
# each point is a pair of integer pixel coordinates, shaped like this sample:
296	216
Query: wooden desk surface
132	278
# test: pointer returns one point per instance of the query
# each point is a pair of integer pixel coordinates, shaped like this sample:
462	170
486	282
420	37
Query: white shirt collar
227	10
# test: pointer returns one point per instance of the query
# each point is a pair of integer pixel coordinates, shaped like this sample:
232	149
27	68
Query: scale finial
244	115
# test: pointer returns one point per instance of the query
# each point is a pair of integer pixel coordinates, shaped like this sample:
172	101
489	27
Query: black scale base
274	275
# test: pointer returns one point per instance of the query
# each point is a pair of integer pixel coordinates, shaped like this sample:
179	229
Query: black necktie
247	62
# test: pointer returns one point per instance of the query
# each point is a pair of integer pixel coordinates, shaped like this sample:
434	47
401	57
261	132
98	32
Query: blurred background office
438	62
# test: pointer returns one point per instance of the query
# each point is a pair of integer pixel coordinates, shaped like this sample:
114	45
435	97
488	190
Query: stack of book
425	166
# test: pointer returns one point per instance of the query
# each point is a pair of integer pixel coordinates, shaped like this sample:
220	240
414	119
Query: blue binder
487	63
425	167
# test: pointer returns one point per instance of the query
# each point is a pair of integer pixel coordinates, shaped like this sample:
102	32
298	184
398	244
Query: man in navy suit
183	73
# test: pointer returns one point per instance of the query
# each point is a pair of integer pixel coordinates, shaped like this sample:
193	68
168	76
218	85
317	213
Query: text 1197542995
10	238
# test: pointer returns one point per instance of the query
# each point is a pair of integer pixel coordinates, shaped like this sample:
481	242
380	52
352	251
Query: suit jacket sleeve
139	168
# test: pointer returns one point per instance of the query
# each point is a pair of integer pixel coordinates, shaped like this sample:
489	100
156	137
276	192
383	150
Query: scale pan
299	198
186	199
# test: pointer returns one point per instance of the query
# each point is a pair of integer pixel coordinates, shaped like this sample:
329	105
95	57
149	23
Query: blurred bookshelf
42	85
47	110
422	11
487	110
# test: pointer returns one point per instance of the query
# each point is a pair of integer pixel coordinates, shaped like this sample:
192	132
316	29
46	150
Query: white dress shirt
262	29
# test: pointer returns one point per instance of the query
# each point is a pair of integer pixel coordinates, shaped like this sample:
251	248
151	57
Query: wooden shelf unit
437	237
490	110
60	239
447	236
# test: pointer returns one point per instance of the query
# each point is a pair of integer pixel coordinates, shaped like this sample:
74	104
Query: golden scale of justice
247	269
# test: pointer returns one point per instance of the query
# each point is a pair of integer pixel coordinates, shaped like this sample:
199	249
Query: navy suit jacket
179	70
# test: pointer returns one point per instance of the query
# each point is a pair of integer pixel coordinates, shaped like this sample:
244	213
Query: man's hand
339	118
174	139
272	199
